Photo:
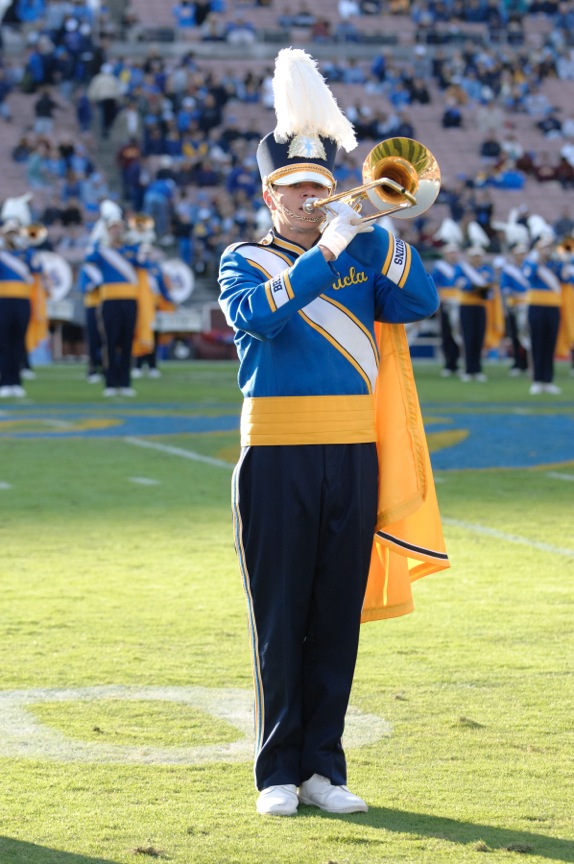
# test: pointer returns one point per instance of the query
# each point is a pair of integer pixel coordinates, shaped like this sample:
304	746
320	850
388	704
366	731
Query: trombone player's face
289	218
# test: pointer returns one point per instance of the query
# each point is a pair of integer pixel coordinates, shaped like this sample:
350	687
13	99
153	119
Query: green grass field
125	678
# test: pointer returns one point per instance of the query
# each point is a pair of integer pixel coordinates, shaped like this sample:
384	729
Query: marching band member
475	278
153	294
514	288
544	298
18	275
303	303
444	274
118	307
89	282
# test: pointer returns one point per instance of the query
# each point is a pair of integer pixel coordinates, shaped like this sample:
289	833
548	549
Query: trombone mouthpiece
311	204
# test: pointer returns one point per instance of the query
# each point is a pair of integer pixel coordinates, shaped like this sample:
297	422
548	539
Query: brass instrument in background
400	178
140	222
565	248
35	233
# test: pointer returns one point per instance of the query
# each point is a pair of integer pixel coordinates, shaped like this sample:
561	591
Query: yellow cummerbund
514	301
543	298
470	298
16	290
449	293
119	291
270	420
92	298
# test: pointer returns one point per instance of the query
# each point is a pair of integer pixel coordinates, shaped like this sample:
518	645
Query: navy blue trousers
14	320
304	520
117	321
473	328
543	322
94	340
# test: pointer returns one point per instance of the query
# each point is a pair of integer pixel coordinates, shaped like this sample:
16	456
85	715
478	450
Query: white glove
341	228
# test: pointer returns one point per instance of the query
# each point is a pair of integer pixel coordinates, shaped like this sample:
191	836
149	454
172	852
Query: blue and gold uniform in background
475	278
89	281
444	274
117	310
17	279
513	288
544	299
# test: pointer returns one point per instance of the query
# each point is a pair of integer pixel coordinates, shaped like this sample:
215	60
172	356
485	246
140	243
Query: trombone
400	178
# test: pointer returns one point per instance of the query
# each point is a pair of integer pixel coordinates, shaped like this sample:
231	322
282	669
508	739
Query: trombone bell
409	164
400	178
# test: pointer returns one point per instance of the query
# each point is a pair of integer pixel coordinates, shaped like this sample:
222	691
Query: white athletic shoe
127	391
6	392
551	388
27	374
137	373
94	378
481	377
18	391
110	391
320	792
465	377
154	373
446	373
536	388
278	800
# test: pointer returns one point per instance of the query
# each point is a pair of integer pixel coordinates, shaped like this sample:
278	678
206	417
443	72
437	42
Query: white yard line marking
557	476
144	481
509	538
177	451
21	734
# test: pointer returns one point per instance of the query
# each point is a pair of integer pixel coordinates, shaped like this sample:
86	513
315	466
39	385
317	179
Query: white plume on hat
539	227
18	208
515	232
449	232
109	212
304	104
477	235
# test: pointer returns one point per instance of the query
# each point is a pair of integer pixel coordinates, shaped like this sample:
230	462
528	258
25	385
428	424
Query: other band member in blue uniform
89	281
118	305
444	274
303	304
544	299
16	284
475	279
513	287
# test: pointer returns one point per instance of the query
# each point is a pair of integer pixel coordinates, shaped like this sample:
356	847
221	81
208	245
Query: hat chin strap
313	219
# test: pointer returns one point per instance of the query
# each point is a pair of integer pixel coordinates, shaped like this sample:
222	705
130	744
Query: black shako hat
310	125
297	160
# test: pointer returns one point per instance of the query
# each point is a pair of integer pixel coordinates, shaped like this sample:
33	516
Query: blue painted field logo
490	437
